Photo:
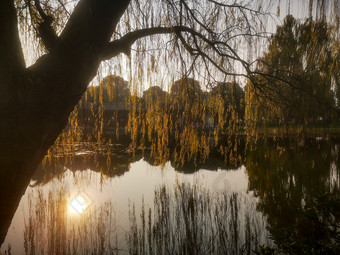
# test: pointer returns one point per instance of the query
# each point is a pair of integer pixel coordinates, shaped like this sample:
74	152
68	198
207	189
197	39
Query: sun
79	204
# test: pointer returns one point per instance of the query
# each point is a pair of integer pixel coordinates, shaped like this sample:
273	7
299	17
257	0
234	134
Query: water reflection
190	220
51	228
289	179
110	164
134	207
80	203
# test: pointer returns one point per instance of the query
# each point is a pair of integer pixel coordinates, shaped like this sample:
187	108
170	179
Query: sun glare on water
79	204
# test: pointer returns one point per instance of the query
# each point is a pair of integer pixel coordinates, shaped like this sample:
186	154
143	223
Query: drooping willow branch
123	45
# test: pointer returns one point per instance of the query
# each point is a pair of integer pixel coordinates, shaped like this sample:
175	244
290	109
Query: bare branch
123	45
43	15
64	8
46	32
235	5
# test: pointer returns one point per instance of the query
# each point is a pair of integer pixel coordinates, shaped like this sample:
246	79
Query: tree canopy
111	89
299	75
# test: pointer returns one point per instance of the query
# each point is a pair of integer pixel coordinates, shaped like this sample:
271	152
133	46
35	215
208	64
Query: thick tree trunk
35	102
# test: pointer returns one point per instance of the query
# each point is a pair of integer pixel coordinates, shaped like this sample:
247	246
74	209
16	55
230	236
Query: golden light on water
79	204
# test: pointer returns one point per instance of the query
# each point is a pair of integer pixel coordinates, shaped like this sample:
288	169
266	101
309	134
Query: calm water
85	207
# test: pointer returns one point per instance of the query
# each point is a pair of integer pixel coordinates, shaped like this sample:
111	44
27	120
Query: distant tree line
113	94
296	85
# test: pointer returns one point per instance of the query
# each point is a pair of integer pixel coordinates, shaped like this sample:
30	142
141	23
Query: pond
124	204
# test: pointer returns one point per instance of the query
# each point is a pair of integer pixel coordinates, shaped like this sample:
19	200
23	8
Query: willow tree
38	94
37	98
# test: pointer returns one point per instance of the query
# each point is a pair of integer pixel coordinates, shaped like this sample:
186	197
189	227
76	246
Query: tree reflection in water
298	190
53	228
296	193
190	220
185	219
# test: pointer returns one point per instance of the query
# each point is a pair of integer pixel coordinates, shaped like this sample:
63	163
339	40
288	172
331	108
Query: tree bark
35	102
